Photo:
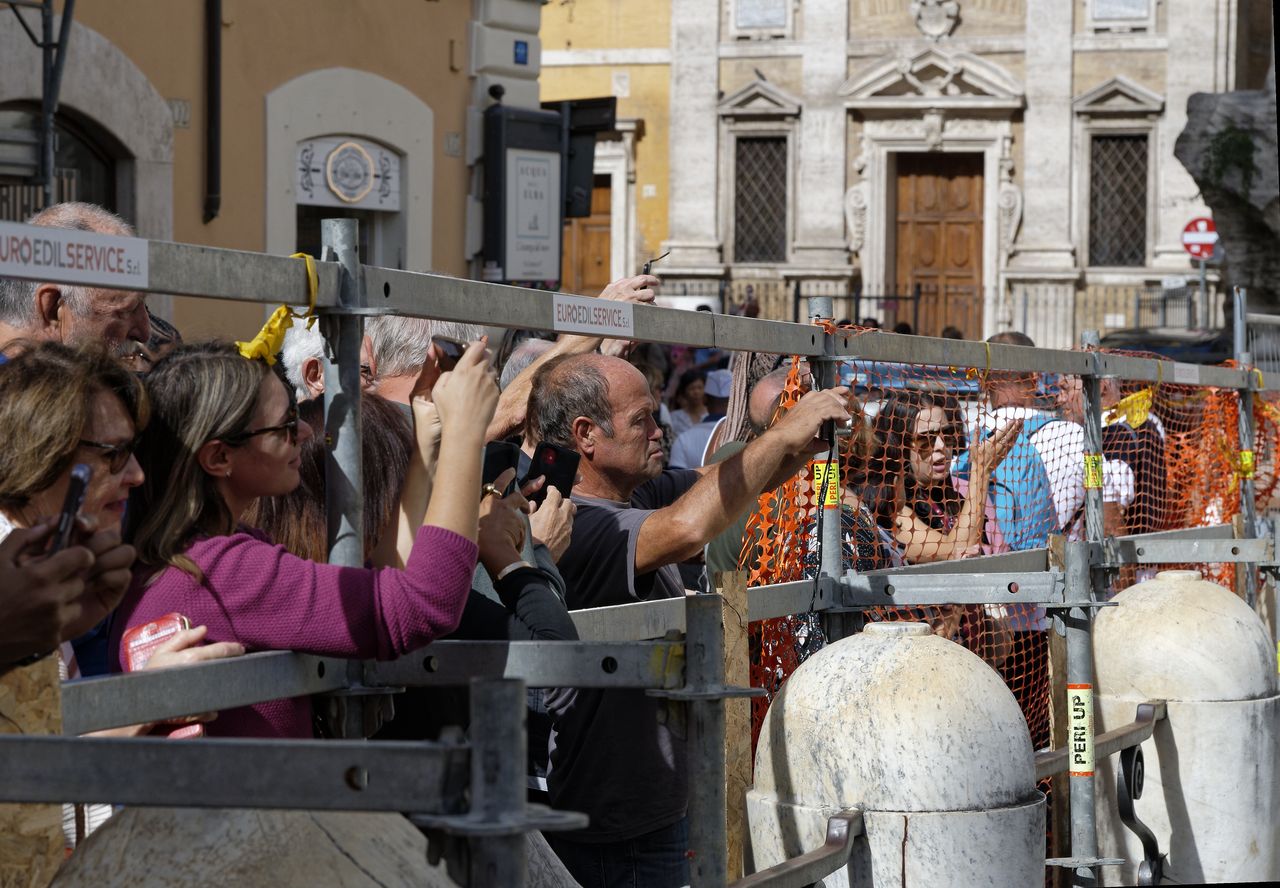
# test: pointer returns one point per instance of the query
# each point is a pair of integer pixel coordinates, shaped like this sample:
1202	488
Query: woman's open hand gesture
987	453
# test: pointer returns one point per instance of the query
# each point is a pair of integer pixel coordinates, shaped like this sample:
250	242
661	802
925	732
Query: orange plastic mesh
966	461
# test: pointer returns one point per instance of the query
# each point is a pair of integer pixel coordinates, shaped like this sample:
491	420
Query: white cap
719	384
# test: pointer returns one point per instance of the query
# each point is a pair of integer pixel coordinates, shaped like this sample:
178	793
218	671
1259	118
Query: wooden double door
939	240
586	248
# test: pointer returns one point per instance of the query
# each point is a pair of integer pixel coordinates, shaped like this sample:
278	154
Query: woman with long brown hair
226	432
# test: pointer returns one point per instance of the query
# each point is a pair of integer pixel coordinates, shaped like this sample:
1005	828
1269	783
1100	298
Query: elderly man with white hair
46	311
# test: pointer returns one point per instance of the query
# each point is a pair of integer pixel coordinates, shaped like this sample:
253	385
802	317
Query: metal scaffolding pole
1085	583
350	713
704	687
834	625
499	751
344	500
1246	459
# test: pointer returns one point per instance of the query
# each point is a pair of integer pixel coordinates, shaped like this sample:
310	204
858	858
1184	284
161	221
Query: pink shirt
262	596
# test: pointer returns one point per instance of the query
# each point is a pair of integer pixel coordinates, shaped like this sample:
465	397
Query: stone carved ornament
935	18
856	200
1008	201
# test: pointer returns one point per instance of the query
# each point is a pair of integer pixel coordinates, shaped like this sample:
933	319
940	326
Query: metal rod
1058	761
332	775
1091	387
48	103
214	273
1246	457
1084	838
344	499
704	669
825	375
499	752
150	695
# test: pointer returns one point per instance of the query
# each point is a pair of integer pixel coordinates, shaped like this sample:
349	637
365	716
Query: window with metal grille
760	200
1118	201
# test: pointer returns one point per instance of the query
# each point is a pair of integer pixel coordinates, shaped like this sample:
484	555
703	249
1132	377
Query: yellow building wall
649	101
265	44
620	25
606	24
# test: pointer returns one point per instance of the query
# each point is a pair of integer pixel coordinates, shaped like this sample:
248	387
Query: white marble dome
1180	637
895	719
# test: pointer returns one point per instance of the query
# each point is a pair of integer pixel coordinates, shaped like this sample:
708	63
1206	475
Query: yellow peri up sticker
1093	471
1080	730
832	483
1247	464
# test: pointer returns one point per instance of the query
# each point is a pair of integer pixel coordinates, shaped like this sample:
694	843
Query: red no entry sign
1199	237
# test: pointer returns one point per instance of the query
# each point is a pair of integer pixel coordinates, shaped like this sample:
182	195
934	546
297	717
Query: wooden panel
939	243
585	257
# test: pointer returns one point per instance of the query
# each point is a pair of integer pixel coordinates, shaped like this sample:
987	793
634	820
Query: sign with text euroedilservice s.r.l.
67	256
533	215
596	317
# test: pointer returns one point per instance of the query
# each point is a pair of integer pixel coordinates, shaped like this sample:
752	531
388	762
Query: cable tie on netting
270	338
974	373
1134	409
1245	464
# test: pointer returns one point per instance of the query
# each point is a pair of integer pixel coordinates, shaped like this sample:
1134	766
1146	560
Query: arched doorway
84	162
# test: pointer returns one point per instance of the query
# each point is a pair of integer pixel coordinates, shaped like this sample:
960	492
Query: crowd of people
205	499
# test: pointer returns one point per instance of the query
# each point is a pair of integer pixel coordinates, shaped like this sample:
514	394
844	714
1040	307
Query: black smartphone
498	457
71	504
448	351
558	464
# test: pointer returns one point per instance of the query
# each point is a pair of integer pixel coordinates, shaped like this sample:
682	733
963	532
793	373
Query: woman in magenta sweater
224	432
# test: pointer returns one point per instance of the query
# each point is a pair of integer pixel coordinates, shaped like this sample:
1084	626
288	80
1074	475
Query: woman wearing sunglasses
914	495
225	432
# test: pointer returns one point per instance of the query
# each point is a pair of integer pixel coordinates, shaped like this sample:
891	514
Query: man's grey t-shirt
610	757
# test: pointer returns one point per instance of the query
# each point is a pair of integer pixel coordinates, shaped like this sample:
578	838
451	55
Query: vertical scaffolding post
344	496
1246	458
499	749
1085	582
834	625
704	682
352	713
1084	836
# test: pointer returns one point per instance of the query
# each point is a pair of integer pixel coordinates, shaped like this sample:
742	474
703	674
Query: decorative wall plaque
935	18
341	171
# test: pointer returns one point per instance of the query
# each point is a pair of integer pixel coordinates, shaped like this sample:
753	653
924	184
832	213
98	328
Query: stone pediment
933	78
760	98
1120	97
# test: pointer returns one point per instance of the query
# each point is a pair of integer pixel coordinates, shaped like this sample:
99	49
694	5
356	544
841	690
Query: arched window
85	169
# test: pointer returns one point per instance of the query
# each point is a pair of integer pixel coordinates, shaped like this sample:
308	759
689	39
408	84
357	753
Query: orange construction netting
953	462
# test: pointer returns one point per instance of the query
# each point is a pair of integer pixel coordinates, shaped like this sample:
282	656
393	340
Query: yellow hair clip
270	338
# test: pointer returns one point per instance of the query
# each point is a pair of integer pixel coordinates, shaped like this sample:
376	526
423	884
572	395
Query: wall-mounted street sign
1199	237
522	196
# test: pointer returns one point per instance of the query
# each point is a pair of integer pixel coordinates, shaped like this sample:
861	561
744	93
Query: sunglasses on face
116	456
951	436
289	427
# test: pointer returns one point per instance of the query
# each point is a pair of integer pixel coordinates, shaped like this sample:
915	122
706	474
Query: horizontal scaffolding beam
110	701
548	664
215	273
331	775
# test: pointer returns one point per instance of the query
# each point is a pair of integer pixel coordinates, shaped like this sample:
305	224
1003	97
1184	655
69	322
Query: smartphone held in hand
560	467
140	642
71	505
